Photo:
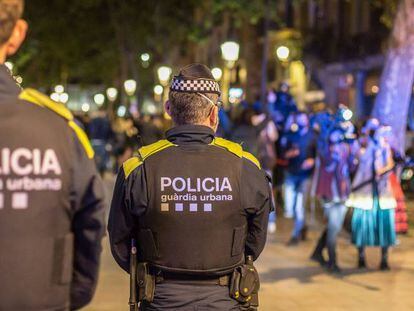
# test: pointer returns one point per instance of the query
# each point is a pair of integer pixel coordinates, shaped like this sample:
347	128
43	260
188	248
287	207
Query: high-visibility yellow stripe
235	149
144	152
229	145
37	98
83	138
252	158
130	165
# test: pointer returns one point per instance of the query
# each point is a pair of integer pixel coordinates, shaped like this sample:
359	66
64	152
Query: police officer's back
195	204
51	200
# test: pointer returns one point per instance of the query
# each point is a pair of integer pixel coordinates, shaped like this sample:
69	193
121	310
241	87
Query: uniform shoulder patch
130	165
251	158
149	150
229	146
37	98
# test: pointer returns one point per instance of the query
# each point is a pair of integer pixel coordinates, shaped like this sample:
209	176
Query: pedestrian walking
373	221
51	197
196	205
298	146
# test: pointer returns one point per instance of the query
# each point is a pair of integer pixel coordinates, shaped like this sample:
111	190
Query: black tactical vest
36	243
195	222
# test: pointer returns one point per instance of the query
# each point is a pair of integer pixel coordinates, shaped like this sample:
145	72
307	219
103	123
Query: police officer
195	203
51	198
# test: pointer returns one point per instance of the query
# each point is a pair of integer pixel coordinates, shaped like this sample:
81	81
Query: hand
308	164
292	153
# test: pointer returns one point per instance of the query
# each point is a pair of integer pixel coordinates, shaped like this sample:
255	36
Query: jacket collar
190	134
8	87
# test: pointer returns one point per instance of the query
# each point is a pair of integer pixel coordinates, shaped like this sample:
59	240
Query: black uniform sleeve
128	203
257	202
88	227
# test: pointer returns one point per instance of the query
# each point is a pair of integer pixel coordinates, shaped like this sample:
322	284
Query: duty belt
164	276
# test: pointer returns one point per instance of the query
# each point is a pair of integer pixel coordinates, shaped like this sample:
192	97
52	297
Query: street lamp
112	94
59	89
164	74
283	52
63	97
145	57
9	66
99	99
85	107
55	97
217	73
230	54
230	51
130	86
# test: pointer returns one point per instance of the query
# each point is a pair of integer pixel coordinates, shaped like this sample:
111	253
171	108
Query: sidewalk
291	282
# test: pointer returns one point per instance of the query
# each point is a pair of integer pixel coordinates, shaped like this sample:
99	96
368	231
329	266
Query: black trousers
190	297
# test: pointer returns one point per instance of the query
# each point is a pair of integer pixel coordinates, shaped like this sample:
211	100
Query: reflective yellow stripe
37	98
252	158
42	100
235	149
146	151
130	165
83	138
229	145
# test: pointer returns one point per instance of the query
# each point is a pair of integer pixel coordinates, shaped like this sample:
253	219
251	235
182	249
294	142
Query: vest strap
37	98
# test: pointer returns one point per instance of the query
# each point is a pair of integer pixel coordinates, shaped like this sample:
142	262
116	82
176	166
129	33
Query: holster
146	283
244	286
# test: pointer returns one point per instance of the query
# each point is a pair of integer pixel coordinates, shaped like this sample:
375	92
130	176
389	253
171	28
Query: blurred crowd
315	160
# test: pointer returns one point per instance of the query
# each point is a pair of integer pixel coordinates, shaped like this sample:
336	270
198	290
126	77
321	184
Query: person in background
148	129
333	186
298	148
100	133
281	105
373	221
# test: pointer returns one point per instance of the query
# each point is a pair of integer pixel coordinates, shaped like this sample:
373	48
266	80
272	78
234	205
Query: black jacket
51	206
184	234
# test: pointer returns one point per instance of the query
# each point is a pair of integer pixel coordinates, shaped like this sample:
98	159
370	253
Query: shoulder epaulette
143	153
37	98
235	149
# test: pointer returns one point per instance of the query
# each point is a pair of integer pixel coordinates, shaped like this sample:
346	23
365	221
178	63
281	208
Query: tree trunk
392	102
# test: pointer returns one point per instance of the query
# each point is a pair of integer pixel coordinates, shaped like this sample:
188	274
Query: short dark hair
10	12
190	108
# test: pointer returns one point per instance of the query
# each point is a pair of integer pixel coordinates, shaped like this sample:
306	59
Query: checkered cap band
195	86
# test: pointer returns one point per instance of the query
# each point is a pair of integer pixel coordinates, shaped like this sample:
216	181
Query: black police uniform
196	205
51	205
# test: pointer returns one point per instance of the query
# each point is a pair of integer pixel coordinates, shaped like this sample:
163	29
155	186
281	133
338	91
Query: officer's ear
214	118
17	37
167	107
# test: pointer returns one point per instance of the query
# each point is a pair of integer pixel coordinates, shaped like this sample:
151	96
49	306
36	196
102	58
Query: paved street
291	282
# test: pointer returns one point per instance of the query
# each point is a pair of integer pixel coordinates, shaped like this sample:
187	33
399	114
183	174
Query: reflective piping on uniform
144	152
83	138
37	98
130	165
235	149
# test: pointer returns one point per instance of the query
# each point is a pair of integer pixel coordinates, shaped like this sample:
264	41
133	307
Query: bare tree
392	102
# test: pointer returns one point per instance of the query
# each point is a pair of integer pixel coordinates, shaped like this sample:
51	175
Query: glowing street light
164	74
217	73
99	99
64	98
158	89
9	65
145	57
111	93
85	107
282	52
130	87
121	112
230	51
59	89
55	97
